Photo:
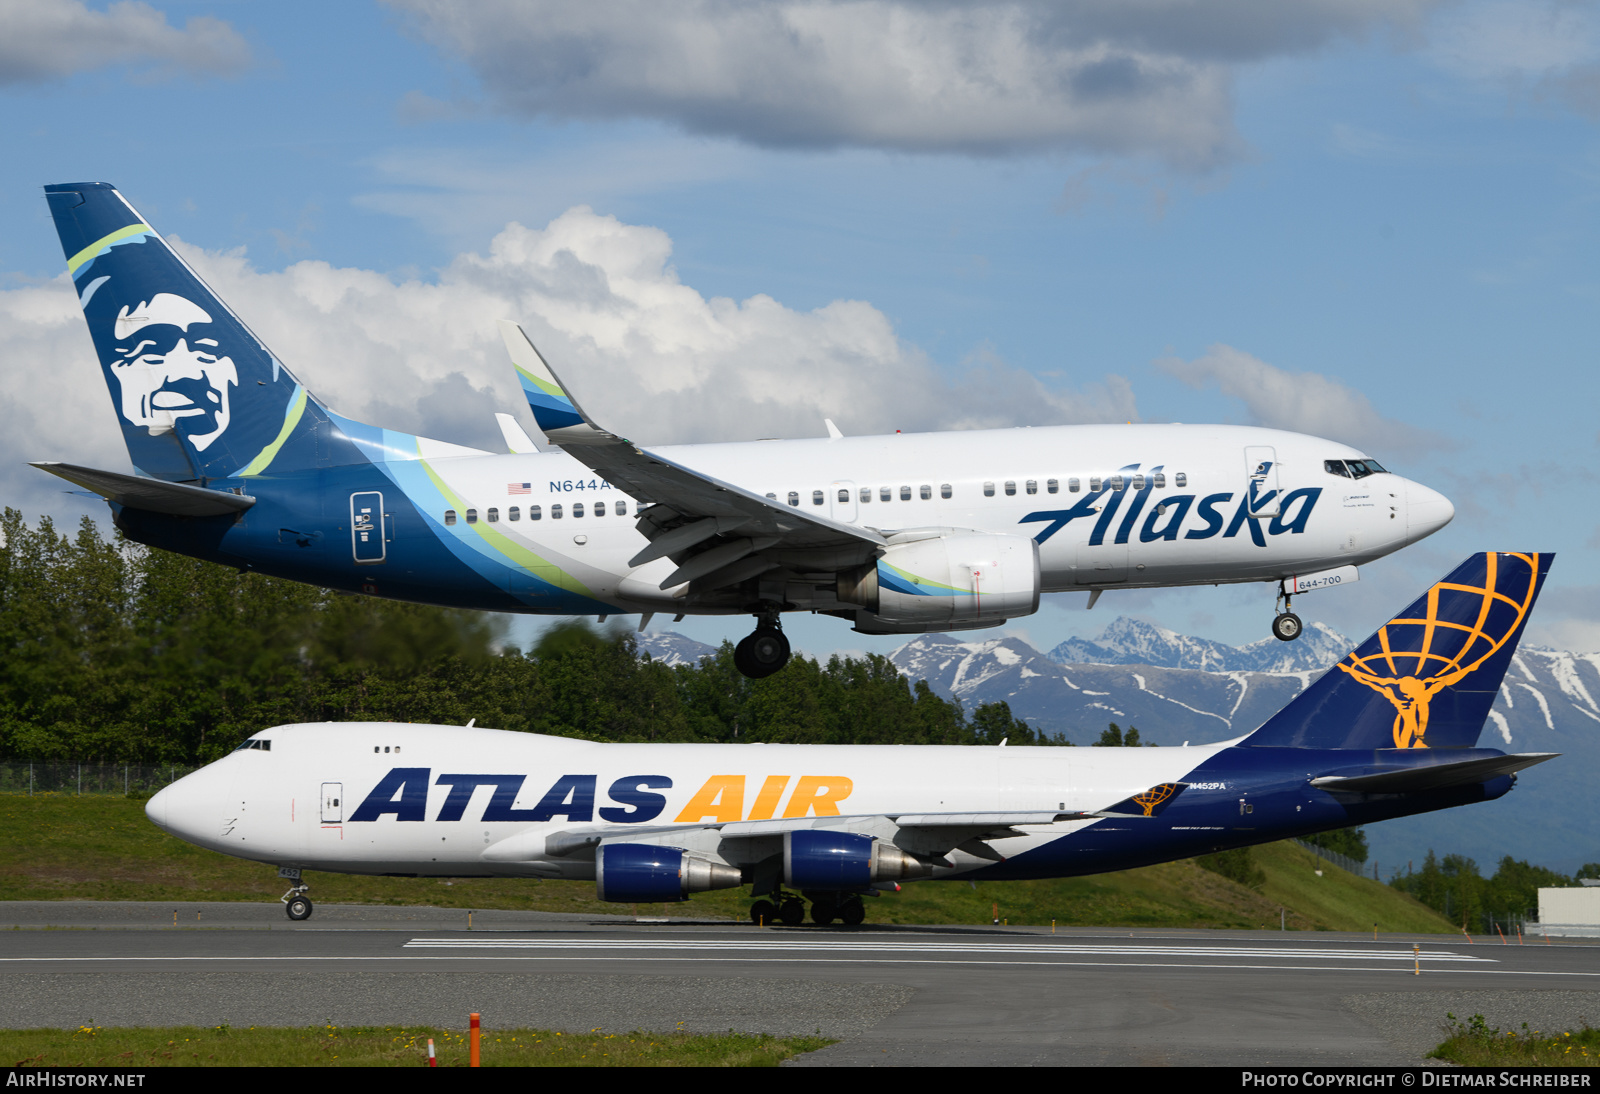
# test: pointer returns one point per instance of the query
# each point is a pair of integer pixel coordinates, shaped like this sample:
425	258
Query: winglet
556	411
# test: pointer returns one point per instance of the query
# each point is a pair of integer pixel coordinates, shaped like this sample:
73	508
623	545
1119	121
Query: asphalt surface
893	996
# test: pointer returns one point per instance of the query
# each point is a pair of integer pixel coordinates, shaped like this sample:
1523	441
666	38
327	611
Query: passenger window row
535	512
885	493
1157	480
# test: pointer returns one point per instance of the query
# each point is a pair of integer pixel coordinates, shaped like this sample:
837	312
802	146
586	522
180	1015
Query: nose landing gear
295	901
1286	626
763	651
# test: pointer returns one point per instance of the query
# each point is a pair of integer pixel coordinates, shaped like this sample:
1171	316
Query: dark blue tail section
198	395
1429	676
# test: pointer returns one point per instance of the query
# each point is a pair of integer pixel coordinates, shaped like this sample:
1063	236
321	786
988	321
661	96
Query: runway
892	995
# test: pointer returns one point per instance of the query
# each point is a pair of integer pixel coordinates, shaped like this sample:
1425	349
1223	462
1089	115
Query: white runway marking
843	947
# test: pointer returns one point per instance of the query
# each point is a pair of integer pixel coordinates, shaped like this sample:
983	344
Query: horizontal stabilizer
152	495
1413	780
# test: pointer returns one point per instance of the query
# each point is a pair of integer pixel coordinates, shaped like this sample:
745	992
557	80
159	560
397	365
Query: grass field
101	847
387	1046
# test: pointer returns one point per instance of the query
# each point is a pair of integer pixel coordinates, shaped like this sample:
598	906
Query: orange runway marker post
472	1051
433	1061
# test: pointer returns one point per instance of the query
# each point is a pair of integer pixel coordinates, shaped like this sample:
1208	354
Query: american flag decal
519	487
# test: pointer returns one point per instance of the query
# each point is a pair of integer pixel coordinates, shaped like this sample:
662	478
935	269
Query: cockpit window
1336	467
1360	469
255	744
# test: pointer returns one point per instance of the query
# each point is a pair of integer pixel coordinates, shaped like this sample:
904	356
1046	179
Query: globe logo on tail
1460	628
1155	796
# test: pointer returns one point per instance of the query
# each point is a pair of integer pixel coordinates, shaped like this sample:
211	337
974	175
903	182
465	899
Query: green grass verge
101	847
387	1046
1473	1043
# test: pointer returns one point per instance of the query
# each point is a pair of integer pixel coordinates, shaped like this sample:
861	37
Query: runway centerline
850	947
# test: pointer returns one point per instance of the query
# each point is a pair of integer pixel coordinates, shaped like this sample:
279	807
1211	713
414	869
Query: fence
1343	862
87	778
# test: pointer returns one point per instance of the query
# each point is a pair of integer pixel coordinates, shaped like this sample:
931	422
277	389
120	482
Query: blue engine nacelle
816	858
641	873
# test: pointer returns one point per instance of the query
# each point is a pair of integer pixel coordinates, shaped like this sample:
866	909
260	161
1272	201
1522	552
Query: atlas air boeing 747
237	462
1389	731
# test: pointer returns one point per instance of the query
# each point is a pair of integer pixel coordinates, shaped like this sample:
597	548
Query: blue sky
941	215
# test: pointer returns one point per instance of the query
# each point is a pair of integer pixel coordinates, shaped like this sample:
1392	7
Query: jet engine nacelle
820	859
640	873
971	578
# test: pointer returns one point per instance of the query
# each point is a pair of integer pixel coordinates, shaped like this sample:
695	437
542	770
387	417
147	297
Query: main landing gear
764	650
847	908
786	909
790	910
1286	626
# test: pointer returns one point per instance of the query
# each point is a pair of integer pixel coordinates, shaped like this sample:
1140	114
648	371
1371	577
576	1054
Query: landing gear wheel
298	907
792	912
824	912
763	912
761	653
852	912
1287	627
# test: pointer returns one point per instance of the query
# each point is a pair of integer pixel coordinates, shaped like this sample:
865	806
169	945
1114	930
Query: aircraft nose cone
1427	511
156	807
186	809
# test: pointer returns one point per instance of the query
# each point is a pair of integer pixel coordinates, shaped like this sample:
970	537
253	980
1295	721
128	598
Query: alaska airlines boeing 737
1389	731
238	463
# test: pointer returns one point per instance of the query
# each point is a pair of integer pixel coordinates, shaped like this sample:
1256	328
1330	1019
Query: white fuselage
1177	516
301	803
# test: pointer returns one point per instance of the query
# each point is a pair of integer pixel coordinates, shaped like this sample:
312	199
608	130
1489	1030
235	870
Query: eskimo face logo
1419	658
171	370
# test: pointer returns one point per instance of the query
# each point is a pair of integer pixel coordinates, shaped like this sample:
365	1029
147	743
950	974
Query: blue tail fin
1429	676
198	395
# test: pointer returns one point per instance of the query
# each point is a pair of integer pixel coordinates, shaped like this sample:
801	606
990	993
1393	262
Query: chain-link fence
1343	862
88	778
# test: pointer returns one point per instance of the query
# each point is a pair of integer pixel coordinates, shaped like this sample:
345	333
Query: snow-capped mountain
673	648
1169	705
1133	642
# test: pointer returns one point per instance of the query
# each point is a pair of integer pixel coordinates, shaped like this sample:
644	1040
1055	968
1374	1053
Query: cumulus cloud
1305	402
647	354
47	39
1140	77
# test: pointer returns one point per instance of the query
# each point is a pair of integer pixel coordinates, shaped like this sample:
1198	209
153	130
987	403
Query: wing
718	533
929	837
